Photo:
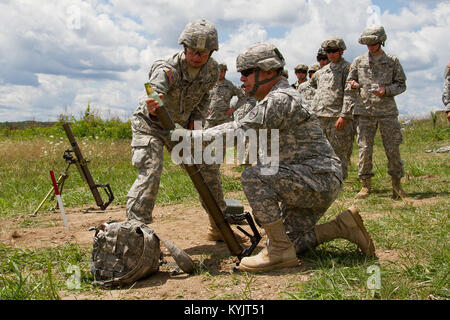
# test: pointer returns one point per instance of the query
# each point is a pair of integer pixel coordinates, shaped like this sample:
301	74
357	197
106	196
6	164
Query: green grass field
415	230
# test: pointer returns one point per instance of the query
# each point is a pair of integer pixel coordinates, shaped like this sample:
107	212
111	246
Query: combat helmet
200	34
372	35
223	66
333	43
321	54
314	67
301	67
263	56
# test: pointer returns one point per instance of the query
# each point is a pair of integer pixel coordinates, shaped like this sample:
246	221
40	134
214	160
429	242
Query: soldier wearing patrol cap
301	71
375	78
220	110
329	99
308	177
446	92
183	82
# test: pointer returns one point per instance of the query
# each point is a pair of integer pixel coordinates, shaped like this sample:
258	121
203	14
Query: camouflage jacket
295	85
243	106
301	140
186	99
220	97
307	91
329	97
385	71
446	92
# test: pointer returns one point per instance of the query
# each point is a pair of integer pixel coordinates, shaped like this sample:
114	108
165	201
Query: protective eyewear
331	50
247	72
201	53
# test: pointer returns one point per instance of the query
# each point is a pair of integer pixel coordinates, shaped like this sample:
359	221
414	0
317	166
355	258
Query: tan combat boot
397	191
214	234
279	251
365	190
347	225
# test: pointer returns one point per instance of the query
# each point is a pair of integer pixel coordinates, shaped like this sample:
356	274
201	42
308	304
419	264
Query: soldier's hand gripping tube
210	202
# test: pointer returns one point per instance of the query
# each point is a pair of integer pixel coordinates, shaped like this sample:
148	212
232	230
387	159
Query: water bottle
151	93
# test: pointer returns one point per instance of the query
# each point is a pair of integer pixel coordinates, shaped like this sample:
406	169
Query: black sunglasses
331	50
247	72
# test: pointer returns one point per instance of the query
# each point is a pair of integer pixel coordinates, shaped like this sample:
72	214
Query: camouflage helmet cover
314	67
223	66
301	67
321	54
334	43
372	35
200	34
124	252
264	56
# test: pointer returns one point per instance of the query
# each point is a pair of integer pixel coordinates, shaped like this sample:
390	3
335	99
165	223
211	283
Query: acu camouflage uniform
446	92
299	67
185	99
220	96
309	175
371	111
328	106
243	106
307	89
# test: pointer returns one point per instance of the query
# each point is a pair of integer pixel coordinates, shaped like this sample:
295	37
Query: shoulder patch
253	113
170	76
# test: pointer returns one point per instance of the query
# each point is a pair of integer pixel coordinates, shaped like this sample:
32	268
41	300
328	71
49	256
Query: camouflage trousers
391	136
295	194
340	140
149	162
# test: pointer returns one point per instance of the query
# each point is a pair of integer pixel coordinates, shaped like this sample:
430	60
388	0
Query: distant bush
90	125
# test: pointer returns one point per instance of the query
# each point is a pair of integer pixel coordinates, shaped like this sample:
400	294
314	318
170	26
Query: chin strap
258	83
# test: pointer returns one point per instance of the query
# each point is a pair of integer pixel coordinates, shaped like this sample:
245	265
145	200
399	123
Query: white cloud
58	56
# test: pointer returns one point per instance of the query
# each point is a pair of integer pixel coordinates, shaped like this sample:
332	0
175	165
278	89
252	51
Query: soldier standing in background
301	71
377	77
220	110
306	89
183	81
313	69
322	57
446	92
288	202
329	99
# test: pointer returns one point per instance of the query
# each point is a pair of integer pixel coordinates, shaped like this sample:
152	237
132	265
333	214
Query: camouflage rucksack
124	252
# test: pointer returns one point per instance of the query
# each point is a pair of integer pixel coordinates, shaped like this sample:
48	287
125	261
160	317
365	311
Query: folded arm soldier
183	82
301	71
446	92
308	178
329	100
220	110
376	77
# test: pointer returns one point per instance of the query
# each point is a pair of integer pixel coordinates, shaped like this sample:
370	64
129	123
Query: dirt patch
186	226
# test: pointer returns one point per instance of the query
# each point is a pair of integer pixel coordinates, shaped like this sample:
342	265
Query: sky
59	56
